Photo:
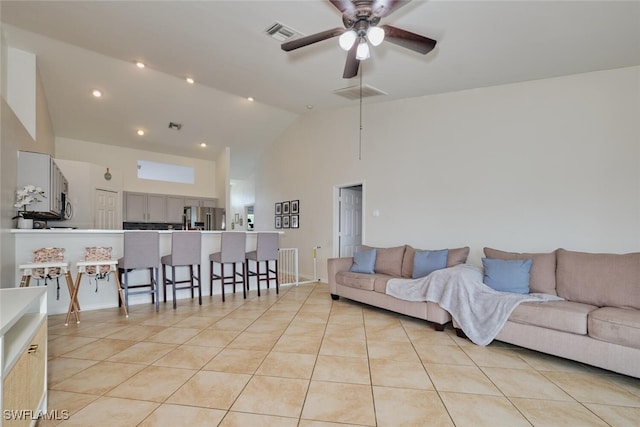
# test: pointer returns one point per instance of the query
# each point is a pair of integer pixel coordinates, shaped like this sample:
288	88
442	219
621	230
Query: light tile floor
301	359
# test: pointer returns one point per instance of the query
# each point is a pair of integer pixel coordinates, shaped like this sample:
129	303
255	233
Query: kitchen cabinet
23	355
146	207
142	207
42	171
201	202
175	209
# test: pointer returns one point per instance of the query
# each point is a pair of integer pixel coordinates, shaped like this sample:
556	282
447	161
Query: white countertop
88	231
14	302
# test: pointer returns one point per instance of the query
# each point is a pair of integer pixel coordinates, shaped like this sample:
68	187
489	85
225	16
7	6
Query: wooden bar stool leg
74	296
121	293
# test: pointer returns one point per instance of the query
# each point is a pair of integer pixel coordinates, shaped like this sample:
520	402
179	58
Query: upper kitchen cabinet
42	171
142	207
201	202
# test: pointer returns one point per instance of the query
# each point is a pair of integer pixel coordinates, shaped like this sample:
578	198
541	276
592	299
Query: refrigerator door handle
208	224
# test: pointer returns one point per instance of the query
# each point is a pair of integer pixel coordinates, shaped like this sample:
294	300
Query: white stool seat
82	269
29	267
82	265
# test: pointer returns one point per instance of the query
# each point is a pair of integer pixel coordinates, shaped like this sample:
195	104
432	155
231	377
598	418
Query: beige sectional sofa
396	262
598	323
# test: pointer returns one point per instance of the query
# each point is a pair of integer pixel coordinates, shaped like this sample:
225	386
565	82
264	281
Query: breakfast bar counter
103	293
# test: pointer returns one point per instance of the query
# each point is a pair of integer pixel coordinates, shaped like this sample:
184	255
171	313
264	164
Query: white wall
531	166
125	160
13	137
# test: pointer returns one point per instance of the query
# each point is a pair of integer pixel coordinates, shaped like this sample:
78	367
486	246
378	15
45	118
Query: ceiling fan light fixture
375	35
362	52
347	39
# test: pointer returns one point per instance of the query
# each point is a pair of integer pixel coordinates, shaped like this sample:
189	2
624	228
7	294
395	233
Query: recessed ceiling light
140	64
203	144
309	107
190	80
97	93
250	99
140	132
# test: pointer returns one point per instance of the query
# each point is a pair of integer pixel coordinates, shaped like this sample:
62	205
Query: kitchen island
94	294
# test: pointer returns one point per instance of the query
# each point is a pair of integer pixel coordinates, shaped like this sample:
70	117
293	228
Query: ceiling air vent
353	92
281	32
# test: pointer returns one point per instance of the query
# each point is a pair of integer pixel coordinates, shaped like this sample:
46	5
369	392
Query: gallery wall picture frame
295	207
295	221
285	221
285	208
279	208
278	223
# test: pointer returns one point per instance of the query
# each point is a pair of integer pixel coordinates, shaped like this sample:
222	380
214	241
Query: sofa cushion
565	316
507	275
455	256
364	261
605	280
616	325
356	280
426	262
388	260
380	283
543	269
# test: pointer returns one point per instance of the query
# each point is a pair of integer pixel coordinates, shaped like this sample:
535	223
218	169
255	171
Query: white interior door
350	233
106	212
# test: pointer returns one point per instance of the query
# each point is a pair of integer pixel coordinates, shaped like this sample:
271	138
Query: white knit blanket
480	311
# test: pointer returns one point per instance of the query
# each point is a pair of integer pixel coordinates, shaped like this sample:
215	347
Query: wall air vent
353	92
281	32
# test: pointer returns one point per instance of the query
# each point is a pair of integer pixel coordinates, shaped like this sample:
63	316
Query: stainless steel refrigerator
198	218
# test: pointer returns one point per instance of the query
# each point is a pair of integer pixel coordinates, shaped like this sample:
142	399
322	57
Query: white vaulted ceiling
222	45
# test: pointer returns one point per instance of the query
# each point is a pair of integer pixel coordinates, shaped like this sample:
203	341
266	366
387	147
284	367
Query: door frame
336	213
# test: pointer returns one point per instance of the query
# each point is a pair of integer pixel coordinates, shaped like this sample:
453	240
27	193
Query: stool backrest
233	246
186	247
267	246
43	255
141	249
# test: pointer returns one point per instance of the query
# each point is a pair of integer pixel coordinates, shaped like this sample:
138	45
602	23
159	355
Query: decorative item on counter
28	195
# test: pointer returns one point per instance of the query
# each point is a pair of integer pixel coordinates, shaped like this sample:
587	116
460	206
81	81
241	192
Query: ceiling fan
361	19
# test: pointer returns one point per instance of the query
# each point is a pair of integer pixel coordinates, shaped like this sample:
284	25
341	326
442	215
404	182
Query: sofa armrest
334	266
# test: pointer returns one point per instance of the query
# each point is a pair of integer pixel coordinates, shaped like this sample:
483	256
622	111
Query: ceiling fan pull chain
360	133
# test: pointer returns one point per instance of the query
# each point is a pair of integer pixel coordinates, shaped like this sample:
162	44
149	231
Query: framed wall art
285	221
295	221
295	207
285	208
278	223
279	208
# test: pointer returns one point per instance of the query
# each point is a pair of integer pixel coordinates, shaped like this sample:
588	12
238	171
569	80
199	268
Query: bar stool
232	251
186	251
266	250
97	263
141	251
47	264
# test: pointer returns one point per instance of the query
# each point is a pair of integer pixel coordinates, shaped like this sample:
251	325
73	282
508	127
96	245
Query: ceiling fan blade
352	64
313	38
384	8
407	39
343	5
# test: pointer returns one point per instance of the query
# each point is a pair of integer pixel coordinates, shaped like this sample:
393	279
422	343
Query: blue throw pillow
426	262
364	261
507	275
